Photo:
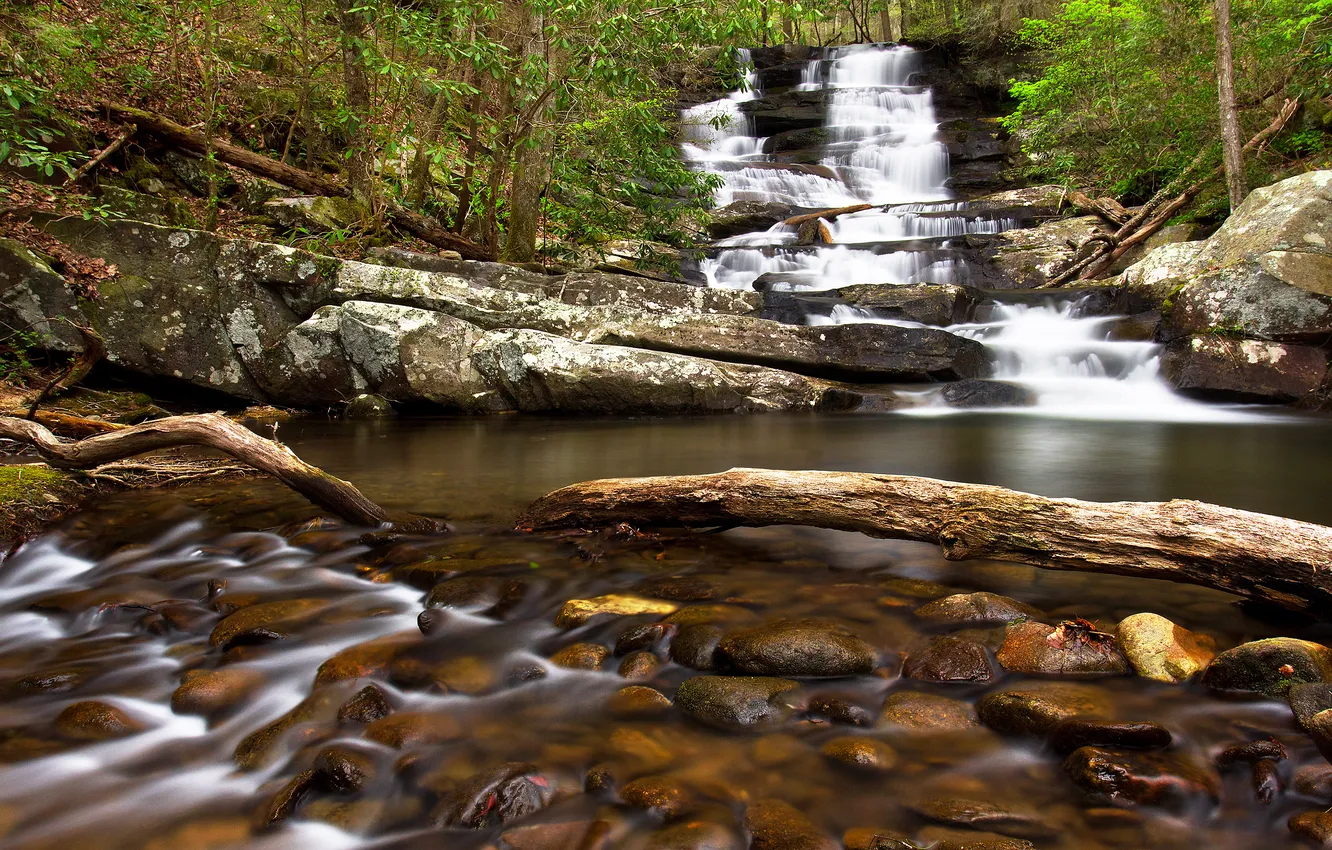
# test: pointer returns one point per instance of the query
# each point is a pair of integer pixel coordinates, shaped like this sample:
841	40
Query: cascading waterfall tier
879	145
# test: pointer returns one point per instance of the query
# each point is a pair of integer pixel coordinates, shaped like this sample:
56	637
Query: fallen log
213	431
826	215
304	181
1280	561
1107	208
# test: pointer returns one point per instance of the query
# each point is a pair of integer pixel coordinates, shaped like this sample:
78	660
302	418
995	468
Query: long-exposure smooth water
118	607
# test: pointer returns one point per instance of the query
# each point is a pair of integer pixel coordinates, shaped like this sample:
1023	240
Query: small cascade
880	145
1074	366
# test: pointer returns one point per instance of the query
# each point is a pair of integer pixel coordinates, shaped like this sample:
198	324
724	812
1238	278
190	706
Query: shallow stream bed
123	604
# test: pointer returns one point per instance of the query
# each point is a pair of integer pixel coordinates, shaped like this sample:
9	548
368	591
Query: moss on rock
34	495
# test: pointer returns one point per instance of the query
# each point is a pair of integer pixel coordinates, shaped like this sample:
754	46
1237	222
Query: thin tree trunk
470	151
419	177
531	167
1279	561
361	162
1230	126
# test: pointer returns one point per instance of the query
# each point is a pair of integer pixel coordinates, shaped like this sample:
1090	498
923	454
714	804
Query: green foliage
1128	94
17	350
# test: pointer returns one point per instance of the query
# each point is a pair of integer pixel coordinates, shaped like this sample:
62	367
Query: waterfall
880	146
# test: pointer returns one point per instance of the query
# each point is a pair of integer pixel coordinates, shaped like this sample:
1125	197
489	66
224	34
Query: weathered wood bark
212	431
356	85
1230	126
288	175
1107	208
1280	561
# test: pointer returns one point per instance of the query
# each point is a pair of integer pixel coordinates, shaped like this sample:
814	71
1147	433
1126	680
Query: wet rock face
949	659
925	712
1034	709
746	217
1151	779
980	814
92	720
1158	649
1074	733
936	304
1222	368
734	702
799	648
1269	667
861	754
214	693
976	393
496	796
776	825
975	609
1065	650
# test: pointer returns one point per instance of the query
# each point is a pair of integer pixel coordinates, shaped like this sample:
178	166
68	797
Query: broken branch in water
213	431
1280	561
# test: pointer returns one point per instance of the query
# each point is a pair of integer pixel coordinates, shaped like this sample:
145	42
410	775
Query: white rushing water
882	147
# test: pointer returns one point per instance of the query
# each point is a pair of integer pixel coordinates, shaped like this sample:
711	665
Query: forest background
547	128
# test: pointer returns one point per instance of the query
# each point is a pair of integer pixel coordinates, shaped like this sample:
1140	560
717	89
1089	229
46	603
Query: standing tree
1231	142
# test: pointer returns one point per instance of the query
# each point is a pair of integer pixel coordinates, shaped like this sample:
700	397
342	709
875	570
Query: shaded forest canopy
548	128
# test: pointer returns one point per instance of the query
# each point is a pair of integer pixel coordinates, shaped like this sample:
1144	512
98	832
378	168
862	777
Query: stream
213	668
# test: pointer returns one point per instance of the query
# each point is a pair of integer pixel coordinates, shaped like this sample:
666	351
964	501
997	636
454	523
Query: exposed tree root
1279	561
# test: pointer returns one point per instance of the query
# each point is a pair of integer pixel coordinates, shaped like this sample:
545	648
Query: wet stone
1034	709
1142	778
944	838
639	665
576	612
366	706
798	648
1308	699
976	609
566	835
839	710
984	815
777	825
1074	733
695	646
497	796
660	795
677	588
648	636
638	701
92	720
581	656
949	659
1269	667
875	838
284	804
1319	728
1160	650
214	693
1314	826
734	702
413	729
264	622
1035	648
343	768
365	660
473	593
927	712
719	614
1314	781
693	835
861	754
263	746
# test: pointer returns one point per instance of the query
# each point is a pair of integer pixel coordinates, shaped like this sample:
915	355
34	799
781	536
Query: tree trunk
1275	560
531	165
216	432
419	177
1230	127
361	162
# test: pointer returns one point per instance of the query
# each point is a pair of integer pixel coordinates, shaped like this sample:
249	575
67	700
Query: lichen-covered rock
1033	256
1246	299
313	214
32	295
1158	649
1269	667
1219	367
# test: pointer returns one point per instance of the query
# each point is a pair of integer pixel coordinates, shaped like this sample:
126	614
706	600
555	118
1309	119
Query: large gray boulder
32	295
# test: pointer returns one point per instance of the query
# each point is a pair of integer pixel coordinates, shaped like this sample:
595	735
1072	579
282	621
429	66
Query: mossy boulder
1269	667
34	495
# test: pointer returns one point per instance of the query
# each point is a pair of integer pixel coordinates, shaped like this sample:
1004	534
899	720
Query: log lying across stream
210	430
1279	561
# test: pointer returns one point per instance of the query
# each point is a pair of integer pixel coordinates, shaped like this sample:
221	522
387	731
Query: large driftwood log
212	431
1280	561
299	179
